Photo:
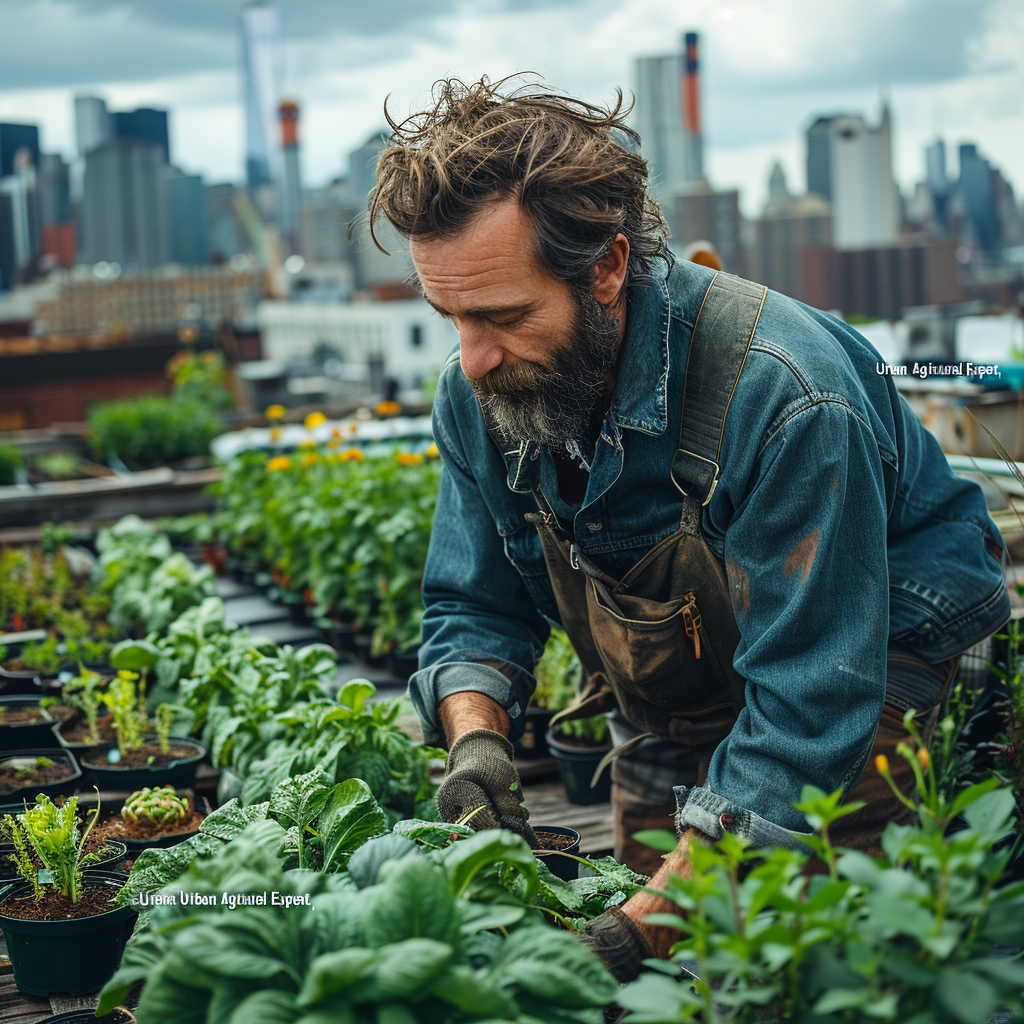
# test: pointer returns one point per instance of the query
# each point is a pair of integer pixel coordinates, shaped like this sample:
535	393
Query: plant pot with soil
558	673
101	854
153	818
84	720
24	723
47	770
556	840
64	934
578	747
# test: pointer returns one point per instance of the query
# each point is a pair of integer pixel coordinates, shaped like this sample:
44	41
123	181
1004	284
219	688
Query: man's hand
480	772
621	937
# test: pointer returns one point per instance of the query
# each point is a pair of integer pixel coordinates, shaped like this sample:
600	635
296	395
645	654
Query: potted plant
155	817
139	757
63	934
558	674
24	723
79	710
579	746
27	773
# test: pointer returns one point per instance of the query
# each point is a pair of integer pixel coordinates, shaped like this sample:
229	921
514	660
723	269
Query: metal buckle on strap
700	458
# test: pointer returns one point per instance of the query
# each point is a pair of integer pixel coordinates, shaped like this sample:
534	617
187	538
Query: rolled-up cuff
698	807
430	686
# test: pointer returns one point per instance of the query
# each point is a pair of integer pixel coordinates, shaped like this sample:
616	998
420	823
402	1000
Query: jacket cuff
698	807
429	686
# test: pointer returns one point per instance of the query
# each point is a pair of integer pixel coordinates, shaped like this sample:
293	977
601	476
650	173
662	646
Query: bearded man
759	554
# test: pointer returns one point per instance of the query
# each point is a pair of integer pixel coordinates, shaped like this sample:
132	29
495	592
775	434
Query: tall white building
93	123
263	68
849	163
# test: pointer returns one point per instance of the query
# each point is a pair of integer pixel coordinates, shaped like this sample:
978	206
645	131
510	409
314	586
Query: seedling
157	806
84	692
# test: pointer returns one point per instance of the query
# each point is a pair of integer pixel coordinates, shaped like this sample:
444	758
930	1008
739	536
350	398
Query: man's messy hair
572	166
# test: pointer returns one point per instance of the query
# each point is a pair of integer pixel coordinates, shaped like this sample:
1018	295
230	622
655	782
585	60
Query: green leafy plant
86	691
559	674
398	931
38	764
914	936
11	461
126	699
53	835
157	806
59	465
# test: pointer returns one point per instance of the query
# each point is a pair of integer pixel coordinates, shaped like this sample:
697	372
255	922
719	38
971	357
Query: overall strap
718	349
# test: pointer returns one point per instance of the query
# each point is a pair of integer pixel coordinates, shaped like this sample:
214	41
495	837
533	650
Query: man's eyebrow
480	311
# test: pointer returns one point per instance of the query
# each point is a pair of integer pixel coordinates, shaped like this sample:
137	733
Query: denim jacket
836	515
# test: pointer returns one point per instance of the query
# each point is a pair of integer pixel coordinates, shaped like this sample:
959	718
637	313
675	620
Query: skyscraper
123	211
145	123
261	54
188	220
978	196
15	137
667	118
93	123
938	182
850	164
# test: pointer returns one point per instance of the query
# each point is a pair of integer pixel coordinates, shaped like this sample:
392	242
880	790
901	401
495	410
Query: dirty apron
657	645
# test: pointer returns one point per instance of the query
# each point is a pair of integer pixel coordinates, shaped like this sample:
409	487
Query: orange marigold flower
882	764
274	412
278	462
353	427
432	452
409	458
351	455
314	419
310	459
336	432
388	409
922	758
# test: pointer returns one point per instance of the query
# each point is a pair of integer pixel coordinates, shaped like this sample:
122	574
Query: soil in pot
55	907
75	730
116	827
148	755
14	776
23	714
553	840
558	840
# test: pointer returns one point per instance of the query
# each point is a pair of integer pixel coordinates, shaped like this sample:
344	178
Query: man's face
537	353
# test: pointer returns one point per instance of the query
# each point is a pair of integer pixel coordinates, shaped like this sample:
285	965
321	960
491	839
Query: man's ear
609	273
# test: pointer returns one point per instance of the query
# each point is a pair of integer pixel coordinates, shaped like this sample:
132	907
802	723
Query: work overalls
657	645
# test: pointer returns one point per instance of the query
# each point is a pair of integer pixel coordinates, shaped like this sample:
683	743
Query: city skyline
948	67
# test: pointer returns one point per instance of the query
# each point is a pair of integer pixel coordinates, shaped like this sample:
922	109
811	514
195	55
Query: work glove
616	941
480	773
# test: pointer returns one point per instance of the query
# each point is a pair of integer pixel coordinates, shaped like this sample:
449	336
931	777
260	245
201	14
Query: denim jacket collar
640	401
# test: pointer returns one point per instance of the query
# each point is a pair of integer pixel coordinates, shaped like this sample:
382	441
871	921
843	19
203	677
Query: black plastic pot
74	956
19	682
119	1015
109	775
560	866
28	792
576	765
363	642
533	744
21	736
113	860
403	665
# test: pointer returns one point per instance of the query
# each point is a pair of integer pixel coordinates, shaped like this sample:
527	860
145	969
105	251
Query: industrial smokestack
289	214
690	88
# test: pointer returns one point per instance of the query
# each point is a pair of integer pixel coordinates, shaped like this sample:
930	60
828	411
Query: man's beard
559	404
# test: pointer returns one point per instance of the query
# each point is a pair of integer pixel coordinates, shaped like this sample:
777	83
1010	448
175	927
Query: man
759	554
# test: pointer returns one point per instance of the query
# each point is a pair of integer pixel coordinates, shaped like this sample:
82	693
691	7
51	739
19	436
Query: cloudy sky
769	66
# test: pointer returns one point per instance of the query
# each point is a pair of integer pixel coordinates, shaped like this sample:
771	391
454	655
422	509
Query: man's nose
478	352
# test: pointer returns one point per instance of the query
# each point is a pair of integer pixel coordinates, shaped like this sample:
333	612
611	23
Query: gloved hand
480	773
616	941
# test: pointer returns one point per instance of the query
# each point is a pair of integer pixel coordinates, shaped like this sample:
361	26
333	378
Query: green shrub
151	431
10	462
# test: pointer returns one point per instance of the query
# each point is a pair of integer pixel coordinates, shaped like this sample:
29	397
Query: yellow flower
333	443
388	409
353	427
882	764
432	452
922	758
314	419
336	432
125	674
278	462
274	412
275	435
307	443
409	458
310	459
351	455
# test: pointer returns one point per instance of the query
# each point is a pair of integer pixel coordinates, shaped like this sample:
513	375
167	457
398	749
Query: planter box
25	735
75	956
180	774
31	790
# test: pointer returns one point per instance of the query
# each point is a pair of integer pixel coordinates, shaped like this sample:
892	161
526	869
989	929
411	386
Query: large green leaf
227	821
134	655
411	900
464	859
350	817
332	972
301	798
365	864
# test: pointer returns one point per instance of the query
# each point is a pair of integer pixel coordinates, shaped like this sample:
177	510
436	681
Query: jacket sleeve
476	606
806	562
